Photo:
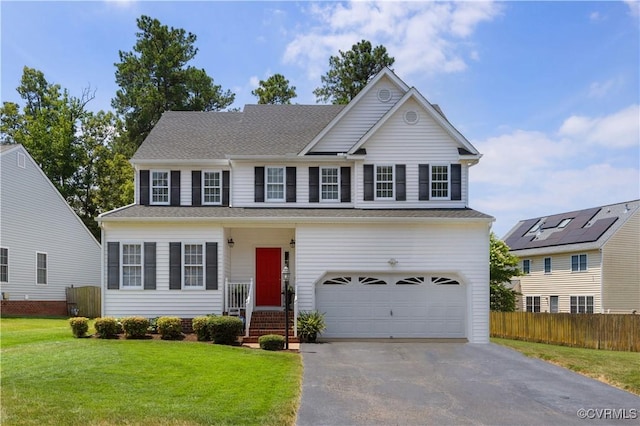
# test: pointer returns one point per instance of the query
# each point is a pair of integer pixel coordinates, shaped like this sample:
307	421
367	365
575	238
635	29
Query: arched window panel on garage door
371	281
337	281
444	281
410	281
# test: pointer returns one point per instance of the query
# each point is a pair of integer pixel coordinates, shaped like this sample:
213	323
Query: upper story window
384	182
193	266
547	265
330	184
526	266
440	182
578	262
211	188
159	187
275	183
41	268
131	265
4	265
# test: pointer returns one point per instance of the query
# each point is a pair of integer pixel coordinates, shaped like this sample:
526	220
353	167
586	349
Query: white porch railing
236	296
249	304
295	313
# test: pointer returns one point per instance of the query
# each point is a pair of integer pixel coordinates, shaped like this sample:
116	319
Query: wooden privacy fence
615	332
86	300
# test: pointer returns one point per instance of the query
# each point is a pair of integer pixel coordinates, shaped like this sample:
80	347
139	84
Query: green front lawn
620	369
52	378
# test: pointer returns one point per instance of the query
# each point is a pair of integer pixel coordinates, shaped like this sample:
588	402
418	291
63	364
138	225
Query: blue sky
547	91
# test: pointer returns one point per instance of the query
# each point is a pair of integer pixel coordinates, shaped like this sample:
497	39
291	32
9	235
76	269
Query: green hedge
107	327
271	342
200	326
170	328
79	326
135	327
225	330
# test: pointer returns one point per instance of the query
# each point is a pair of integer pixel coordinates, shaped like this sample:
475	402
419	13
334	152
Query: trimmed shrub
310	325
271	342
225	330
107	327
153	325
79	326
200	326
170	328
135	327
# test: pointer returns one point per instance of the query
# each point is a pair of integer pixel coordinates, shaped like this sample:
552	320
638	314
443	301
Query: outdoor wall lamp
292	243
231	243
392	262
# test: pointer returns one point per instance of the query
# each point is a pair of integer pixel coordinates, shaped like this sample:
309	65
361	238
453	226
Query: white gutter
173	163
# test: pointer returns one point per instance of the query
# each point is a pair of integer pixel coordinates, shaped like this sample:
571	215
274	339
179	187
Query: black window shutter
345	184
259	185
175	187
225	187
368	182
401	182
113	266
423	182
456	182
144	187
196	188
291	184
314	184
149	266
212	266
175	264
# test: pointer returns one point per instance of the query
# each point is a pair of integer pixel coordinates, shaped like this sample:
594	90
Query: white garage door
392	306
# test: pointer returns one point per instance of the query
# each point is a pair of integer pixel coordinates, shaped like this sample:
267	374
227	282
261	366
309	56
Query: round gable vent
411	117
384	95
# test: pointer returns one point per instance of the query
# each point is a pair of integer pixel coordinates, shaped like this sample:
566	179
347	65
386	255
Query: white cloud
634	7
600	90
618	130
595	16
525	174
424	37
254	82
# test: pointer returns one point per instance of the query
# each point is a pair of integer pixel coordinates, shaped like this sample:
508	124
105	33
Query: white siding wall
561	281
359	119
444	249
162	301
35	218
621	269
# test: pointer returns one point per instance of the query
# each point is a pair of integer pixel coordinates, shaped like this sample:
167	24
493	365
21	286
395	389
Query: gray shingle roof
311	214
577	230
258	130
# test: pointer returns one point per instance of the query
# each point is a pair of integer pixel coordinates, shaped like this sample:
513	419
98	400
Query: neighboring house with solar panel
44	246
366	204
585	261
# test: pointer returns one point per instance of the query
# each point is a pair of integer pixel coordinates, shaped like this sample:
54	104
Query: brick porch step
269	322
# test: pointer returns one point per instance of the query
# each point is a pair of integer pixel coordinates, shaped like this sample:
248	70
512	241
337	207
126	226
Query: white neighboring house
366	204
44	246
585	261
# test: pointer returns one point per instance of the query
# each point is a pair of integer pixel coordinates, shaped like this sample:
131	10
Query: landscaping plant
79	326
271	342
200	326
225	330
107	327
310	325
170	328
135	327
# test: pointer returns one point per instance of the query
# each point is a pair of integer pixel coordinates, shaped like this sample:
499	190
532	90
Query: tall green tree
503	266
155	77
275	90
350	71
46	127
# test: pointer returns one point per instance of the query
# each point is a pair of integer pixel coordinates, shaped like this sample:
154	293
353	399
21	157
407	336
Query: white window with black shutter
330	184
131	265
193	266
384	182
440	182
210	187
159	187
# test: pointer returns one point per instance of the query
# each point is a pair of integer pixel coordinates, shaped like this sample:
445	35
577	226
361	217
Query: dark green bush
170	328
135	327
79	326
225	330
200	326
310	325
107	327
271	342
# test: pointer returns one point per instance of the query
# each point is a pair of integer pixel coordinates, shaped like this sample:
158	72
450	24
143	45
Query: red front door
268	276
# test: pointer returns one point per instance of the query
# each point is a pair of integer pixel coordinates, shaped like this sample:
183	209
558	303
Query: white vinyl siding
383	182
41	268
159	186
329	184
211	187
562	282
4	264
73	254
162	301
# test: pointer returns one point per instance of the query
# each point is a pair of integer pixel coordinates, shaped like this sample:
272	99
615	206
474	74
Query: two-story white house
367	204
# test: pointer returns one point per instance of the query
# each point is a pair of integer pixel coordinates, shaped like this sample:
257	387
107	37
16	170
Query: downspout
102	255
602	311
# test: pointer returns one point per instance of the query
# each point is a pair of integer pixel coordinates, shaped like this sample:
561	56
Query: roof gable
384	75
435	114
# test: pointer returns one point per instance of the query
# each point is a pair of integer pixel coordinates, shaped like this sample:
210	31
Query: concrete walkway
384	383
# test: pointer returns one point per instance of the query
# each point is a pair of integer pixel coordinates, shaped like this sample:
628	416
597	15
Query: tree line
86	154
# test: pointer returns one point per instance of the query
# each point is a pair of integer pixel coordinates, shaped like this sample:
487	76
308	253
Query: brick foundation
186	325
33	307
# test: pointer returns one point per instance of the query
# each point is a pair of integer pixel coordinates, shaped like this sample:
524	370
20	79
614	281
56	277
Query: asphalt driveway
389	383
